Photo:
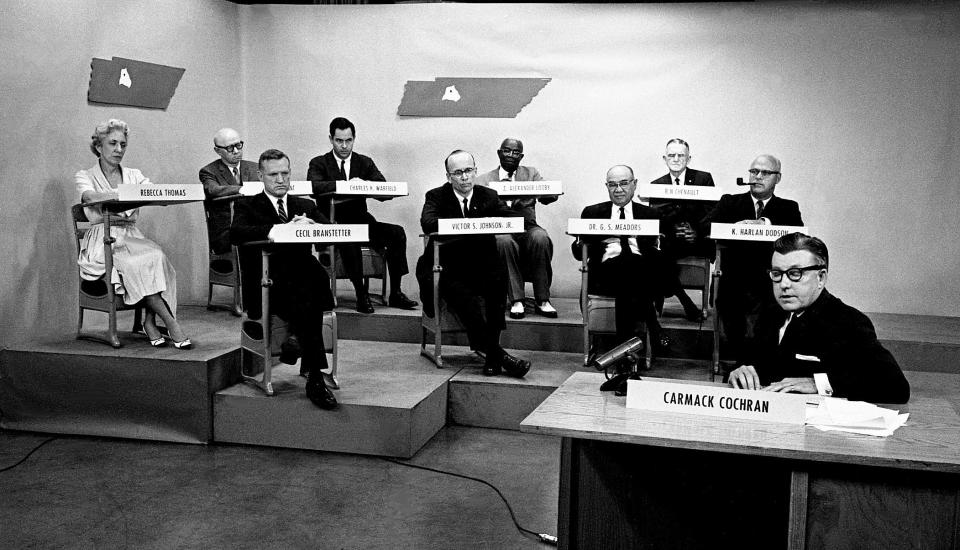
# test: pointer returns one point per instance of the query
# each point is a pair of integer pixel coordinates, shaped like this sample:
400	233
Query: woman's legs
156	306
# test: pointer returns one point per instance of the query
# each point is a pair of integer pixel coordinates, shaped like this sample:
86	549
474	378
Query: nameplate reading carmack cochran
682	192
752	231
526	188
321	233
724	402
588	226
372	188
298	188
479	226
185	192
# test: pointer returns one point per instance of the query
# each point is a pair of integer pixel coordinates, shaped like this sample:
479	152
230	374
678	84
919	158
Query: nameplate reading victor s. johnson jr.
479	226
688	192
372	188
724	402
752	231
587	226
526	188
298	188
321	233
180	192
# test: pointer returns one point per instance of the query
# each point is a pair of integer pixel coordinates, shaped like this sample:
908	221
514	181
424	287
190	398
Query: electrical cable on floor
24	459
542	537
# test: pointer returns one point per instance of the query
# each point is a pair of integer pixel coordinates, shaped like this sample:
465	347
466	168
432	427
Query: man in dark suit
341	163
222	178
680	221
627	268
301	290
473	280
530	252
811	342
744	286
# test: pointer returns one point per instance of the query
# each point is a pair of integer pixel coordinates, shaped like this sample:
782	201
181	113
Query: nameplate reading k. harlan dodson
752	231
724	402
372	188
526	188
298	188
321	233
586	226
689	192
180	192
479	226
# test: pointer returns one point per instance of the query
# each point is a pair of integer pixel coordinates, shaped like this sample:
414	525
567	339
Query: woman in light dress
141	271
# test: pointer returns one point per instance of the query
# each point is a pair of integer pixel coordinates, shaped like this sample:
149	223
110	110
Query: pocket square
803	357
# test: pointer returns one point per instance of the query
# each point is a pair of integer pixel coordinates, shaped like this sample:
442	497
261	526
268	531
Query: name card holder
297	188
752	231
682	192
588	226
160	194
526	188
321	233
479	226
718	401
372	188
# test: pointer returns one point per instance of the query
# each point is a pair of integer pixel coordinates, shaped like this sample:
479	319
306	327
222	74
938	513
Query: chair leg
79	321
333	366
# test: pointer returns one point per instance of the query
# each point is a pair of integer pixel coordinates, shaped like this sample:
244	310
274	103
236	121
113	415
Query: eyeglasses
622	184
676	155
762	173
511	152
794	273
464	172
232	148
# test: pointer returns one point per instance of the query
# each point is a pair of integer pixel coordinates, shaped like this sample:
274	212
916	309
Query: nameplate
298	188
479	226
372	188
185	192
586	226
682	192
719	401
526	188
321	233
752	231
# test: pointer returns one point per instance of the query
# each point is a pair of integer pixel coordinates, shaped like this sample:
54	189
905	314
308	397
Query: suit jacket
844	341
252	220
324	171
527	207
676	212
218	181
596	245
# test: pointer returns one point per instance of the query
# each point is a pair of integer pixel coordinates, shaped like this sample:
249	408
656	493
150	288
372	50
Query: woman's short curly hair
103	130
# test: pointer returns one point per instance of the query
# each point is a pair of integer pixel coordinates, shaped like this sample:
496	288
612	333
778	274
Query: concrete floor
78	492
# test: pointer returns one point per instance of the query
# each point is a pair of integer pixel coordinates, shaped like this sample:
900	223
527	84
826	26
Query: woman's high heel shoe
159	342
183	344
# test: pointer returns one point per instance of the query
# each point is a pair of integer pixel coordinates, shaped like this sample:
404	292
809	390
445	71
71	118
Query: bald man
221	178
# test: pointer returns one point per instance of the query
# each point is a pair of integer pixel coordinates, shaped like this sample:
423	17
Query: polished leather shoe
364	305
290	351
320	395
514	366
516	310
400	301
492	367
545	309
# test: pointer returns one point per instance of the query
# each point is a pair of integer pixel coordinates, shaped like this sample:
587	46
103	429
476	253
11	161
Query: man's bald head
228	145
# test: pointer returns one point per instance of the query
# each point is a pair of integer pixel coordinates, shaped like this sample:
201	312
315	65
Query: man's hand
685	232
752	222
793	385
547	199
745	378
301	219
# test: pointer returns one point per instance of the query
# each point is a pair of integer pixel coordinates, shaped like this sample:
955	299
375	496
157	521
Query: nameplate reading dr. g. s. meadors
184	192
724	402
372	188
752	231
682	192
298	188
479	226
587	226
526	188
321	233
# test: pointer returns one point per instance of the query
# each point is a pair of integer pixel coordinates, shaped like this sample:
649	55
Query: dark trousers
387	237
634	281
739	303
479	304
300	296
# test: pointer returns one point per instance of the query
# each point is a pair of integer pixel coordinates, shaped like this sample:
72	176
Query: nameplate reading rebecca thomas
372	188
526	188
298	188
752	231
321	233
717	401
479	226
161	193
682	192
587	226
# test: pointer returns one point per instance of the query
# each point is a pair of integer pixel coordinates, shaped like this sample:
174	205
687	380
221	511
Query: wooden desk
638	479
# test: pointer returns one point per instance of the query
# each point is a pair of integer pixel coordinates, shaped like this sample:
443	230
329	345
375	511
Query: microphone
612	357
741	182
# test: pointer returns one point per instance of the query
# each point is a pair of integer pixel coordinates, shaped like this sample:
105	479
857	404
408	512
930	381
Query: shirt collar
504	175
681	175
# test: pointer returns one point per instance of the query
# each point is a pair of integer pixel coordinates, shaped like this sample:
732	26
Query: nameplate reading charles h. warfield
752	231
372	188
479	226
682	192
185	192
588	226
298	188
526	188
321	233
725	402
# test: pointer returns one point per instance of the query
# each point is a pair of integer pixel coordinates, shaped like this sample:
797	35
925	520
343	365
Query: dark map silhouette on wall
469	97
121	81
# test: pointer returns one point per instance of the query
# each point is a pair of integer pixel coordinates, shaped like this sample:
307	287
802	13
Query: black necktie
465	208
759	209
343	173
281	212
624	240
236	175
676	181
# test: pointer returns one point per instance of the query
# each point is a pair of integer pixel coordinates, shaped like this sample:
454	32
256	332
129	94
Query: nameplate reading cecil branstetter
752	231
163	193
372	188
718	401
526	188
588	226
321	233
479	226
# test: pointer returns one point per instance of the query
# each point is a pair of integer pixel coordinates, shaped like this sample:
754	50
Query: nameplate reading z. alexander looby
718	401
321	233
186	192
479	226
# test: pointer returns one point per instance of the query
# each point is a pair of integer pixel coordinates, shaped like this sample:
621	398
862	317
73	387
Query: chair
714	290
695	275
223	268
443	320
99	295
374	267
260	339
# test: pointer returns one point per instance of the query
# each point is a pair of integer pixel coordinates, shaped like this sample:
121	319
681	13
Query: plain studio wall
859	102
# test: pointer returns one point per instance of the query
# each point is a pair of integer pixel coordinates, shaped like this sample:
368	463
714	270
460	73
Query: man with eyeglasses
221	178
529	252
811	342
744	286
473	279
680	221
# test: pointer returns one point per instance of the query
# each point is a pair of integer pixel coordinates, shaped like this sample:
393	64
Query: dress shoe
400	300
492	367
546	309
183	344
320	395
290	351
694	314
514	366
329	380
364	305
516	310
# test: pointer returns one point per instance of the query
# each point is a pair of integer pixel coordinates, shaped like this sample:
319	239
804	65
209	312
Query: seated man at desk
473	280
529	252
301	290
811	342
222	178
341	163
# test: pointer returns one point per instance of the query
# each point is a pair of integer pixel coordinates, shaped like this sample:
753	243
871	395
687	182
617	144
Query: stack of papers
857	417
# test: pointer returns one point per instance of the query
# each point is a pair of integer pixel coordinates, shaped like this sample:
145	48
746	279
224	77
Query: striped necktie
281	211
